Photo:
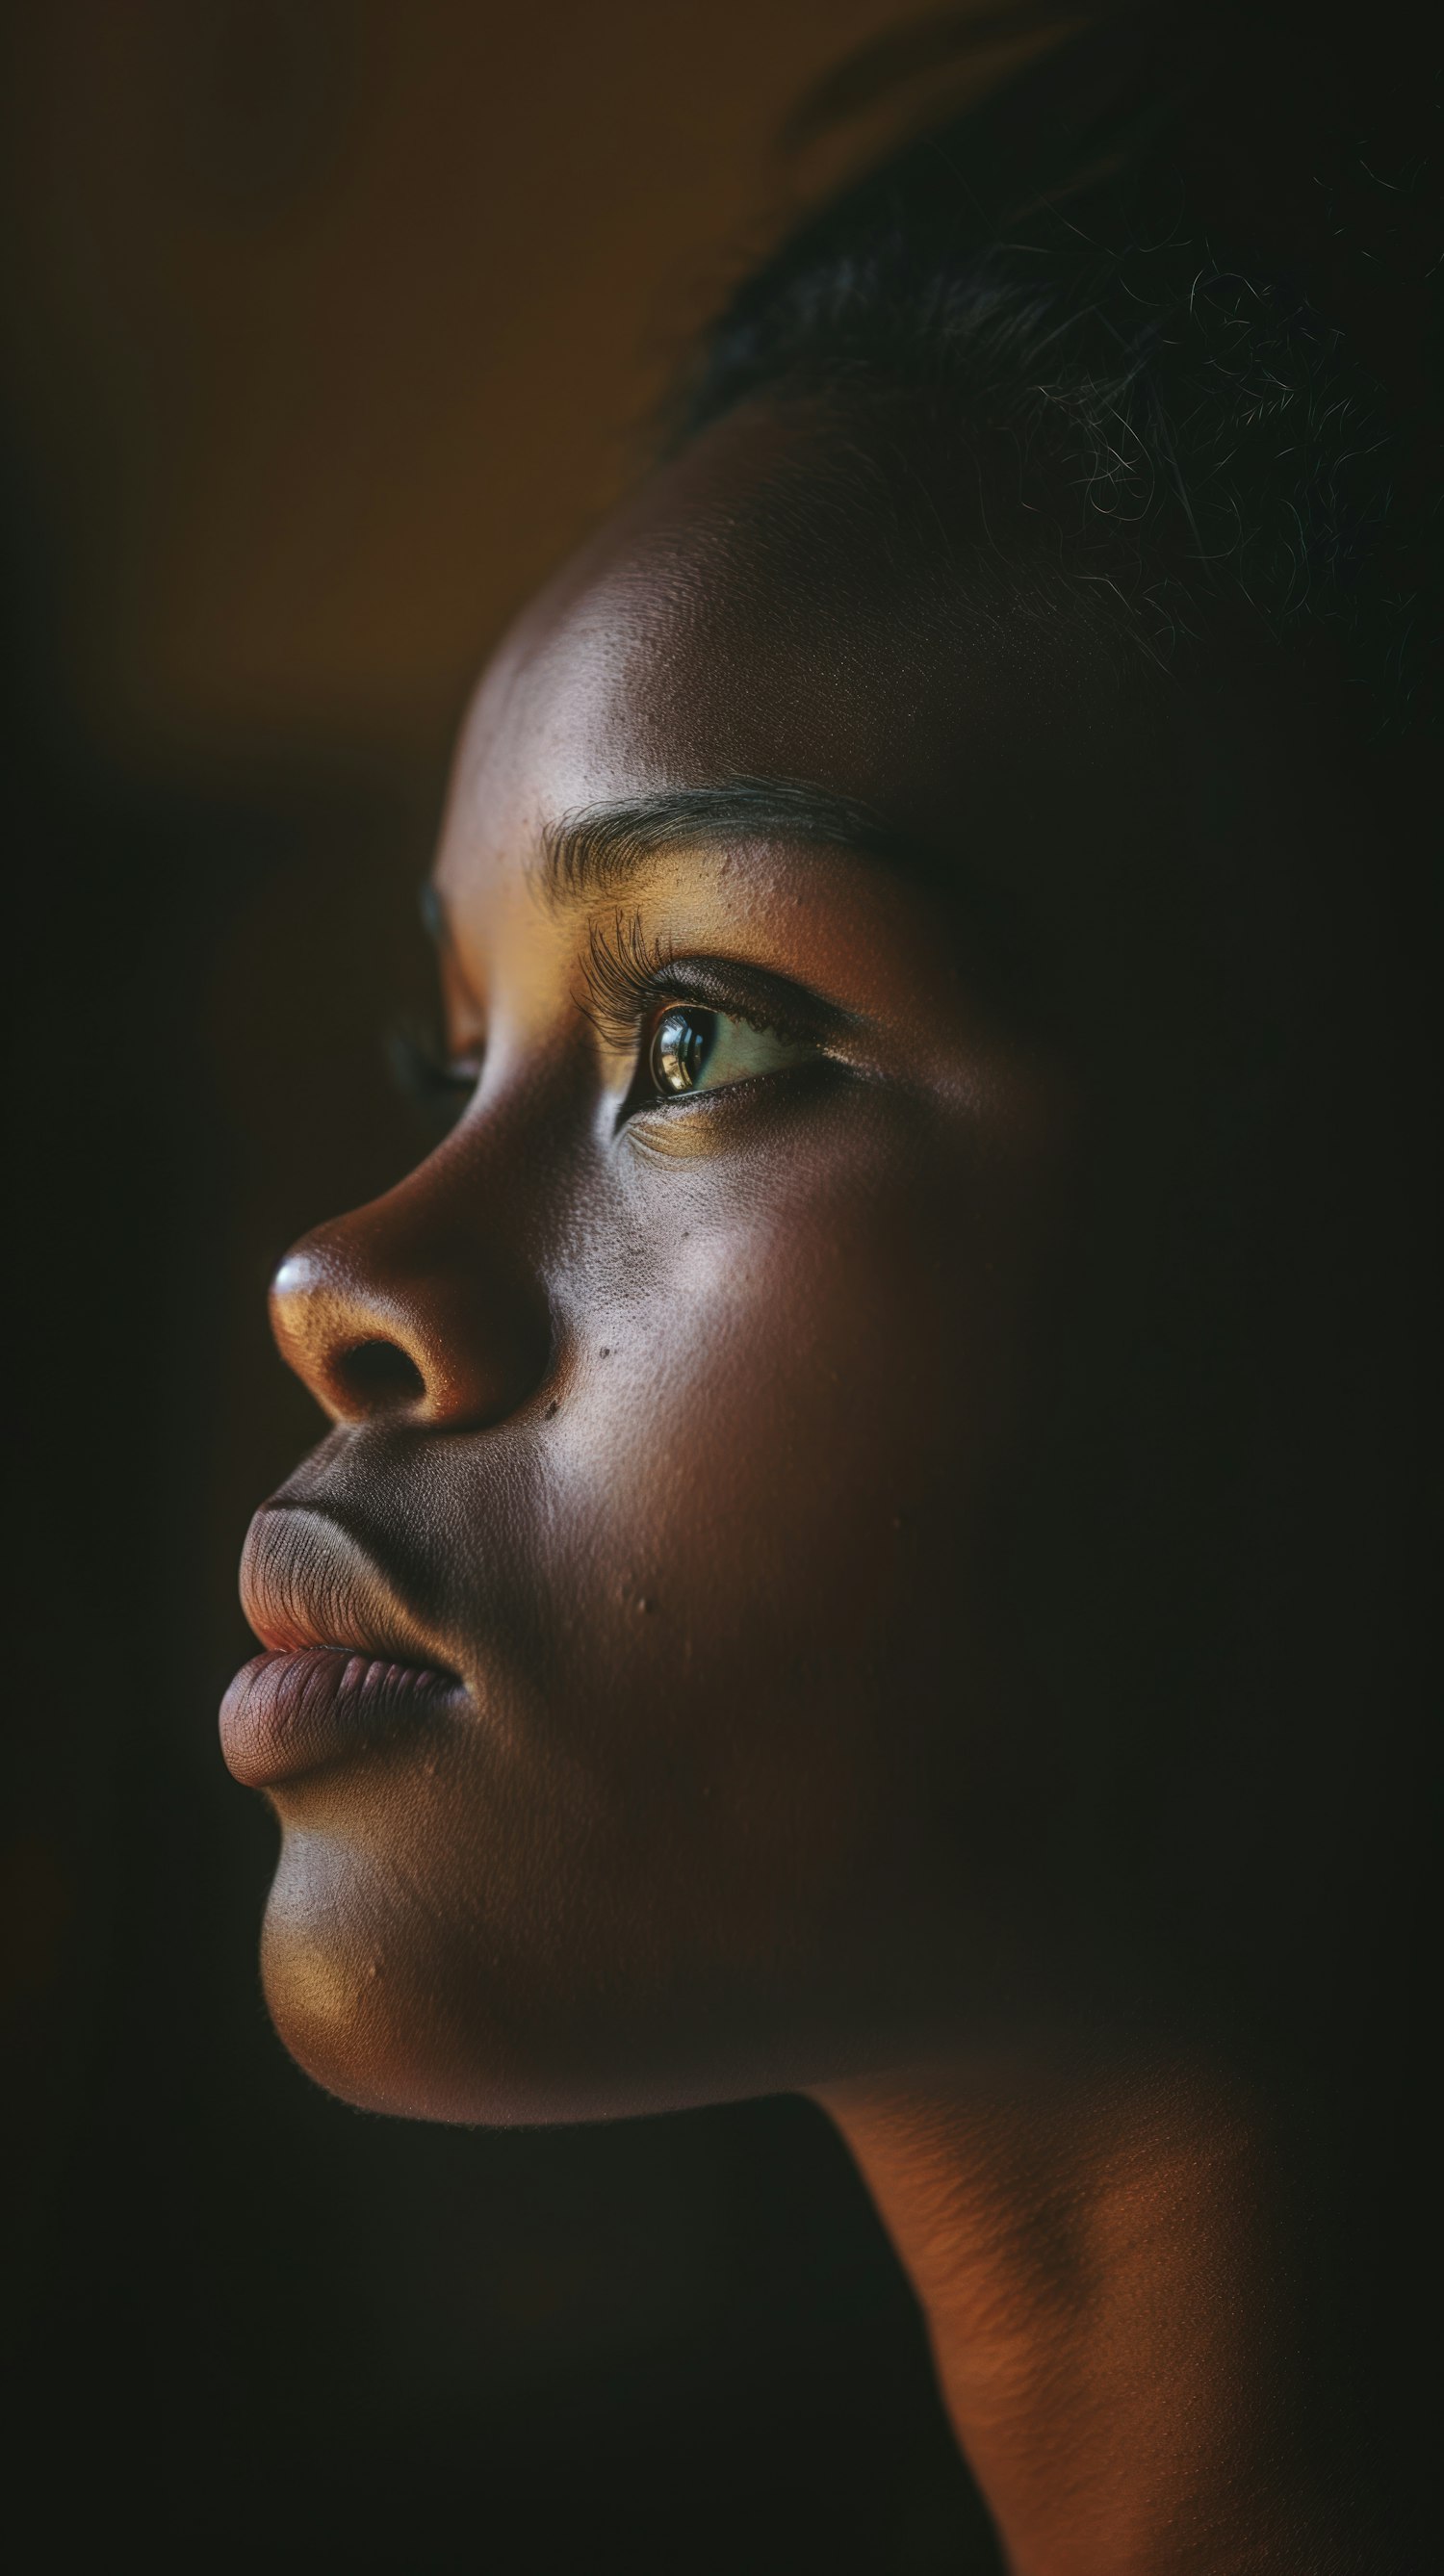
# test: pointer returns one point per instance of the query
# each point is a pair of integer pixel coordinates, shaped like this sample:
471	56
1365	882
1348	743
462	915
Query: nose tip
445	1346
357	1357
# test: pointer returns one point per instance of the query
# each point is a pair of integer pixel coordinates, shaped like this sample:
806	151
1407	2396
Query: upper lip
309	1579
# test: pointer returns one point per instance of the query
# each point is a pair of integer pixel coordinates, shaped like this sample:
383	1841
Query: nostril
378	1374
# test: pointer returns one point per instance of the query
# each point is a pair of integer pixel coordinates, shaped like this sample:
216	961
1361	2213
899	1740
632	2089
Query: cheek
709	1834
795	1392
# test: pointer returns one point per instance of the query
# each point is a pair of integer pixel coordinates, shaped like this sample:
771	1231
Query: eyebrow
595	849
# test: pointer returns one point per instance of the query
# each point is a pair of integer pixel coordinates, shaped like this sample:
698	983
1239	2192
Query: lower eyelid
709	1096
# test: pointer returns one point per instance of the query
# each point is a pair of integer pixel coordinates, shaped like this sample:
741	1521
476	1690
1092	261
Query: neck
1115	2276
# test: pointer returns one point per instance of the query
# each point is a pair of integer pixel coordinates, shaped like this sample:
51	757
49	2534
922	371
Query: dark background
327	327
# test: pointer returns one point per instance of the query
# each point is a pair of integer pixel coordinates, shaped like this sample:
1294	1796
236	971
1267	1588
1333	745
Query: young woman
865	1540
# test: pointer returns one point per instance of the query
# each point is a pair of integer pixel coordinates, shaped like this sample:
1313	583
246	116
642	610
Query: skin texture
867	1504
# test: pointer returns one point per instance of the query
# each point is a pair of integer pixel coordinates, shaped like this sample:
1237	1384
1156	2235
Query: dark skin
809	1475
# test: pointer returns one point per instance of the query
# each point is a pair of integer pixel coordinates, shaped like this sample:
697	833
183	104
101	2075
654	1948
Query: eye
436	1083
699	1050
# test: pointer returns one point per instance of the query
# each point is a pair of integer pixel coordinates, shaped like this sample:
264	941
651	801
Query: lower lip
286	1714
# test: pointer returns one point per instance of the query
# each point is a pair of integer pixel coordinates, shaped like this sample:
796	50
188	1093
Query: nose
387	1315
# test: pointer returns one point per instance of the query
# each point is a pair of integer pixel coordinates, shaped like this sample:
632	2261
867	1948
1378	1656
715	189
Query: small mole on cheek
551	1408
604	1353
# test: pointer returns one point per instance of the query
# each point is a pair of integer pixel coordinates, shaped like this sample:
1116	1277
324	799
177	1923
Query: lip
290	1713
345	1661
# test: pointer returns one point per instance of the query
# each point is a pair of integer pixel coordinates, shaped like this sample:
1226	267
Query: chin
394	2009
385	2006
373	2000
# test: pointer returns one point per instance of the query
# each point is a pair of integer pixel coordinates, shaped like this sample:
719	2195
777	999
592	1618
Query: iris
681	1048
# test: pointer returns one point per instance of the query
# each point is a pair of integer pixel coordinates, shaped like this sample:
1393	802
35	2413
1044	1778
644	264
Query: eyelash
624	974
625	978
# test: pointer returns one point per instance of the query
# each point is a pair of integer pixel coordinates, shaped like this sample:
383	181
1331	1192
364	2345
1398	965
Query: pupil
681	1048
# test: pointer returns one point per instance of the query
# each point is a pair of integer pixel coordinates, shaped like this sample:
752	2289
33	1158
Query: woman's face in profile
656	1703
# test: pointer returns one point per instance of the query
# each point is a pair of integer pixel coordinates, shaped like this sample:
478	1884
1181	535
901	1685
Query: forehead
784	601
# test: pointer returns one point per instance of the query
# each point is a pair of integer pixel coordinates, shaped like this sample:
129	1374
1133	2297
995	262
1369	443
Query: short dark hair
1173	283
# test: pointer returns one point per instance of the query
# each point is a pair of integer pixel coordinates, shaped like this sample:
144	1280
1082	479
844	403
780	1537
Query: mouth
344	1664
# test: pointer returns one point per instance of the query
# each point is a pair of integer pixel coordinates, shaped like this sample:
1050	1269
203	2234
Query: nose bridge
428	1304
